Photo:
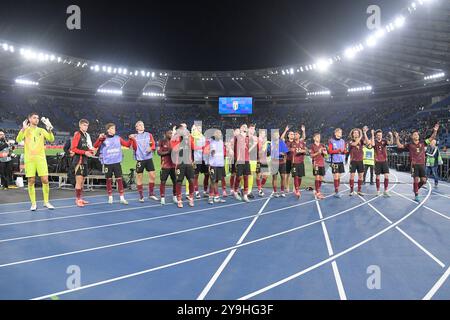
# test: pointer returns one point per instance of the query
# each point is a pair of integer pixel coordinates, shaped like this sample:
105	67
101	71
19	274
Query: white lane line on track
337	275
57	208
236	247
350	249
139	220
430	294
56	199
122	223
89	214
165	235
230	255
441	195
416	243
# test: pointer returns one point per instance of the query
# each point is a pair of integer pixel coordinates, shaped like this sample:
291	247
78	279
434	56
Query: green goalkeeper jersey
34	149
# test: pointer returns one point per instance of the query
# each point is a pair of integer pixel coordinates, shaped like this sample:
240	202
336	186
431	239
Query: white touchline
121	223
212	253
230	255
350	249
335	268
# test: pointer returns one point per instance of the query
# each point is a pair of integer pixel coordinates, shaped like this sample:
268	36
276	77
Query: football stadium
156	152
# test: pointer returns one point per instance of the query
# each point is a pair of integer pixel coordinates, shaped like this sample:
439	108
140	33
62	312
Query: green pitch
129	163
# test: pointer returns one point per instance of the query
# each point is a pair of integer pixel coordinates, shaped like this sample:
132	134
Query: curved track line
207	254
334	257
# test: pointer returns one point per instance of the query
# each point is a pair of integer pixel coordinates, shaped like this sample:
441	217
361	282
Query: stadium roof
411	51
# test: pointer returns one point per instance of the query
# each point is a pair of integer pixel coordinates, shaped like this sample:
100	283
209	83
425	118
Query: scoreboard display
235	105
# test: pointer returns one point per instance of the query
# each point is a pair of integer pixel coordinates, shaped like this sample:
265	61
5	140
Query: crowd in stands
400	114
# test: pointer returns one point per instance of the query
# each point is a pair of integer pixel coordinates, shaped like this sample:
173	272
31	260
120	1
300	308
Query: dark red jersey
318	160
241	149
416	152
380	151
356	152
165	152
294	149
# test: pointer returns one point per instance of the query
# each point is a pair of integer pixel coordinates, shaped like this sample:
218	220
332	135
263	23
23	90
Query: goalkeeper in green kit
34	153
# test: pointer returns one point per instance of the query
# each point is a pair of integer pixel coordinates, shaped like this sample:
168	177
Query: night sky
193	35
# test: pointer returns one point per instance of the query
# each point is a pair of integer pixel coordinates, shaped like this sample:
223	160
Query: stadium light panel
153	94
435	76
360	89
400	21
114	92
322	65
370	41
25	82
380	33
319	93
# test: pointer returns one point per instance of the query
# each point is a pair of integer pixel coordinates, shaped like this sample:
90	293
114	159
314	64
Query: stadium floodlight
153	74
11	49
319	93
435	76
143	73
25	82
322	65
380	33
125	71
97	68
153	94
360	89
114	92
370	41
109	69
400	21
291	70
52	57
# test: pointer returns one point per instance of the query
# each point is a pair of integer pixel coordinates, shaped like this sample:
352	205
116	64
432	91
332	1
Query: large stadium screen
235	105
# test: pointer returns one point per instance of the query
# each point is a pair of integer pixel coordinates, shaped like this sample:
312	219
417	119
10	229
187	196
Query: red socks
78	193
246	184
258	183
336	185
151	188
237	181
109	186
386	184
297	183
352	182
195	183
317	185
416	188
162	189
141	191
359	185
274	183
377	182
120	185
